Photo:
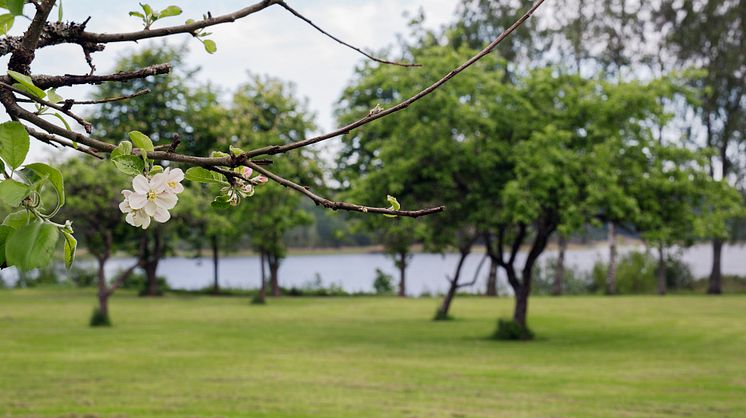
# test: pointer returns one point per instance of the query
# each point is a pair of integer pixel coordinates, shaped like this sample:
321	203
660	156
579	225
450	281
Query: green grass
370	357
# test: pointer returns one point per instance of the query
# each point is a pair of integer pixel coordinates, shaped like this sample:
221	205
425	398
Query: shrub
574	281
82	276
508	329
383	283
99	319
637	273
441	316
256	300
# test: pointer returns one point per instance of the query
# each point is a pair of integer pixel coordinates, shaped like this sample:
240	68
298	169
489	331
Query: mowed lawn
370	357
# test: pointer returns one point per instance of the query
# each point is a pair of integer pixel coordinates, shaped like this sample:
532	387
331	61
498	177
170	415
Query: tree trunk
103	291
274	266
661	271
559	272
445	306
261	296
492	278
151	258
402	265
611	274
215	260
521	305
716	278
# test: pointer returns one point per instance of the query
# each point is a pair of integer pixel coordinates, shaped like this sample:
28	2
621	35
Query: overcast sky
270	42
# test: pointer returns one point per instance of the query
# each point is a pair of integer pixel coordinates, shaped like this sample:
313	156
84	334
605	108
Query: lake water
355	272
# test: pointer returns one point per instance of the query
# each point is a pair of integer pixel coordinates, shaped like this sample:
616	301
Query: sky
270	42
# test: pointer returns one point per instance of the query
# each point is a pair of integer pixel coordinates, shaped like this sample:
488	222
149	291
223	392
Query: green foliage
99	318
574	281
14	143
383	284
510	330
637	274
150	15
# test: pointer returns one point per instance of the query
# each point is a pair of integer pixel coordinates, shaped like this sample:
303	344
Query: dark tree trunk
492	278
274	266
150	259
445	306
559	272
401	263
611	274
716	278
521	306
262	295
661	271
215	260
103	291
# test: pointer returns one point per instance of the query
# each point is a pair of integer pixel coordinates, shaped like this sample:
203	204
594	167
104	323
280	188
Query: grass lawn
182	356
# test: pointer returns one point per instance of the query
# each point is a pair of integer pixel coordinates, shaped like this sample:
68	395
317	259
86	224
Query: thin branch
278	149
476	274
53	140
119	281
71	102
190	28
84	123
340	205
371	57
46	81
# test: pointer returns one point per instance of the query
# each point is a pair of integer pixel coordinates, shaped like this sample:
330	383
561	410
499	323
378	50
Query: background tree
265	111
710	35
94	195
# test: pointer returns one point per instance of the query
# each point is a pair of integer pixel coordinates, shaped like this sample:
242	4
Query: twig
84	123
46	81
341	205
369	56
278	149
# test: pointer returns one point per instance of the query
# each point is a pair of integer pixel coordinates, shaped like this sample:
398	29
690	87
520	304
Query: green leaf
147	9
17	219
2	166
124	148
141	141
71	244
15	6
156	169
235	150
218	154
6	22
53	97
201	175
27	82
5	231
59	10
220	202
394	205
54	176
13	192
210	46
170	11
14	143
129	164
64	122
137	14
31	246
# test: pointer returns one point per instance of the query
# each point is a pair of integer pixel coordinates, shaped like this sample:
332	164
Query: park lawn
181	356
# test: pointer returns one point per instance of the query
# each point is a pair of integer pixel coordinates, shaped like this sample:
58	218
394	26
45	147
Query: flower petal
158	182
178	188
161	215
175	175
166	200
137	200
125	206
141	184
150	208
130	218
146	222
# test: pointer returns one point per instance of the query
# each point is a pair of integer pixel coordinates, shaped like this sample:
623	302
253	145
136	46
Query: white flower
173	179
153	196
135	217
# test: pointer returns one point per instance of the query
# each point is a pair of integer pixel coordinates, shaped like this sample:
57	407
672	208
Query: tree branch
279	149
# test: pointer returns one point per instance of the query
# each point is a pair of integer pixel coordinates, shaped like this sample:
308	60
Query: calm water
355	272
